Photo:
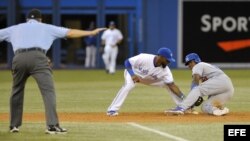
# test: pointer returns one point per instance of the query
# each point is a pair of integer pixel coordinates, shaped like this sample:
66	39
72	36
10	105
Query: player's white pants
109	58
219	90
90	56
129	85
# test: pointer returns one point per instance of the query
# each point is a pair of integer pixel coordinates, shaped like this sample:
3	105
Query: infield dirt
136	117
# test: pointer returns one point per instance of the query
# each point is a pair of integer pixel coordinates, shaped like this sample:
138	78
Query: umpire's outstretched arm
76	33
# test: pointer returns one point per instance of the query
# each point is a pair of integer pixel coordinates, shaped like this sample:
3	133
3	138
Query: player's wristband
129	67
131	72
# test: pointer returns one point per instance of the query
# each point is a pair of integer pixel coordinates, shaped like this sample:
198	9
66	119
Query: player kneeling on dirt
208	80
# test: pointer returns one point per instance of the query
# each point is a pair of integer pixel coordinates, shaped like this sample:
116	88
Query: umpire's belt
30	49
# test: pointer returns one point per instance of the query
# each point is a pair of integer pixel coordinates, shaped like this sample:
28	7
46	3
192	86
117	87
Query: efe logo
233	132
236	132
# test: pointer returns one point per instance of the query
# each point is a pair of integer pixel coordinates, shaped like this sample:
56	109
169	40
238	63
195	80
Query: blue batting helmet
166	53
192	56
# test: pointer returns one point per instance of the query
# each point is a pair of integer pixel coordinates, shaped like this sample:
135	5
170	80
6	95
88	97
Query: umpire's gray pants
35	64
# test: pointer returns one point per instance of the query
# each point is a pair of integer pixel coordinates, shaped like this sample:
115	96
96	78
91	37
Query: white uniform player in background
147	69
208	80
111	38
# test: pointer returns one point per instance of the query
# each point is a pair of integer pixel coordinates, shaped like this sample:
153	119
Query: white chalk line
156	131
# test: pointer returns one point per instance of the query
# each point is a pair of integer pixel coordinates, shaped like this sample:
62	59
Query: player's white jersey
111	37
143	66
206	70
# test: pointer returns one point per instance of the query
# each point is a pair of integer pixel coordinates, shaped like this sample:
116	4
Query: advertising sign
219	31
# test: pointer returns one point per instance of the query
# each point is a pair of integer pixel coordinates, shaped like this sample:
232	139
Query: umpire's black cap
34	14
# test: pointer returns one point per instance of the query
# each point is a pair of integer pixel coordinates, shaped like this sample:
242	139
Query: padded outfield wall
217	30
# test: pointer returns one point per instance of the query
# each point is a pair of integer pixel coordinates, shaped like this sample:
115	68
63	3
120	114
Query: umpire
30	42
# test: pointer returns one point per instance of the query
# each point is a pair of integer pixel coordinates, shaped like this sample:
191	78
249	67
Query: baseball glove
198	101
203	79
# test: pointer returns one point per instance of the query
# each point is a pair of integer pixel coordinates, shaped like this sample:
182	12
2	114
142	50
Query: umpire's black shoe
14	129
55	129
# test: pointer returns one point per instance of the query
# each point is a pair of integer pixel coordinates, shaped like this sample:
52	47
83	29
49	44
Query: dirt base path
136	117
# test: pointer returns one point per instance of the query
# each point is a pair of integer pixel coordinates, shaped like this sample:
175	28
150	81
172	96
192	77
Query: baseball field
84	95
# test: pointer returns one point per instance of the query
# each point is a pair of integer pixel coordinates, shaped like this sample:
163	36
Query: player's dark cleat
55	129
176	111
14	129
112	113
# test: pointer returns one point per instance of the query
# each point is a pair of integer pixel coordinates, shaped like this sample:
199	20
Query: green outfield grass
93	90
